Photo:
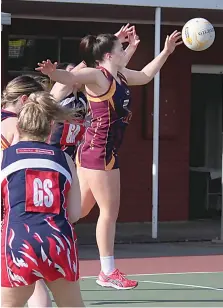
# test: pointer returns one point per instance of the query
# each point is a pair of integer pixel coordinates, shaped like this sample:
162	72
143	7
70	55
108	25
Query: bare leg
17	296
66	293
87	198
105	186
41	296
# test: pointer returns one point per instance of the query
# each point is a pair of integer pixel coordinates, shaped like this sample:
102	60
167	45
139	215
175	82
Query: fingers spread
179	43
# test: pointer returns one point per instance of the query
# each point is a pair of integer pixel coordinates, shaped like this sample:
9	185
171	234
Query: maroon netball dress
110	115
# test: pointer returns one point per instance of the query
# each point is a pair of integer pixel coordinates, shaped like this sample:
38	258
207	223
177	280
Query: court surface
160	290
169	275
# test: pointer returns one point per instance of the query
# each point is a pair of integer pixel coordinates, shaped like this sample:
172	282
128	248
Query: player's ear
24	99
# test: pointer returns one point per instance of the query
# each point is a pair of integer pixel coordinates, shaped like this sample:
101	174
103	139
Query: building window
25	52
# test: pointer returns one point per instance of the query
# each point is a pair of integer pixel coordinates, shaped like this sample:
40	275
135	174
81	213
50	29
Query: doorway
206	142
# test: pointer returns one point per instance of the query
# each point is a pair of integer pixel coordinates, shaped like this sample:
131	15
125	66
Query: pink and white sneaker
116	280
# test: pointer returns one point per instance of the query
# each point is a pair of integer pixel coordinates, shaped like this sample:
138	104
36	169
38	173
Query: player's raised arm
149	71
127	33
59	90
86	75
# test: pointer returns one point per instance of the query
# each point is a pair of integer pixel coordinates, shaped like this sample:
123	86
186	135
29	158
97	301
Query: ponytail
37	115
93	48
87	49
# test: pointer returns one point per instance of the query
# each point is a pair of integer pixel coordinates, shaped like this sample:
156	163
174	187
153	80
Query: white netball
198	34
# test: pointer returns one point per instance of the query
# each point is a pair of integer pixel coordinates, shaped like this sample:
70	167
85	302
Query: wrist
133	46
121	40
50	74
166	52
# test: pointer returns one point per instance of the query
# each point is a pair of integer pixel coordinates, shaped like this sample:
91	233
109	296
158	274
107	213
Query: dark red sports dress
110	115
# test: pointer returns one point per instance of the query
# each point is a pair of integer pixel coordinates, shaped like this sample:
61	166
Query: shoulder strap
106	73
122	78
4	143
7	114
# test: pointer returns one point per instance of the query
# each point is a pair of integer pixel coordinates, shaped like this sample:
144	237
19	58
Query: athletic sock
107	264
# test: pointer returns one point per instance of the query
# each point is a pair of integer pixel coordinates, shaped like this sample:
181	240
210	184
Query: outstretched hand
133	38
172	42
124	33
46	67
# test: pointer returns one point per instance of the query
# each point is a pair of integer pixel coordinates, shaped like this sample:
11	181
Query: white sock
107	264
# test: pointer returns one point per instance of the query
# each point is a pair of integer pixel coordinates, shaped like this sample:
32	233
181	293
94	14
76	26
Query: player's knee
109	215
86	207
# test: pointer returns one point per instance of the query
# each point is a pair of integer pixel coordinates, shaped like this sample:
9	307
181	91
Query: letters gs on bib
42	191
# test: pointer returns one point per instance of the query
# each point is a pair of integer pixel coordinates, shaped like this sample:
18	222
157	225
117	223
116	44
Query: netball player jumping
97	156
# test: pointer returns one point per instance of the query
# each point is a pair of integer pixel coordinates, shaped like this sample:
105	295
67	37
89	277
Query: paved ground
200	230
155	250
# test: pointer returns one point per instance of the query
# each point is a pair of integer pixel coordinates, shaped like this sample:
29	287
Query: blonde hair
39	113
21	85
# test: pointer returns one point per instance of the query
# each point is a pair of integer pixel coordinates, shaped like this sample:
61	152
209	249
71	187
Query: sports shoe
116	280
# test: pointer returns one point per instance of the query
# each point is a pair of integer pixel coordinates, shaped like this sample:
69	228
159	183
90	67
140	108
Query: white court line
181	284
158	274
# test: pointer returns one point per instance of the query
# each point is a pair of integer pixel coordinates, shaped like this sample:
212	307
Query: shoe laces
120	275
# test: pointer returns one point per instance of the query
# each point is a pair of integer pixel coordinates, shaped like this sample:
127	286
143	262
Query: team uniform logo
42	191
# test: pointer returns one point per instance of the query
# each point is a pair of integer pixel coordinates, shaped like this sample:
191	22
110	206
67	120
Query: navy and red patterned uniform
67	136
4	142
5	115
110	115
37	239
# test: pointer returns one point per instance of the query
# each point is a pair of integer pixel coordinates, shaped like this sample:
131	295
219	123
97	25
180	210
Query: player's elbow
146	77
